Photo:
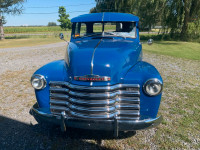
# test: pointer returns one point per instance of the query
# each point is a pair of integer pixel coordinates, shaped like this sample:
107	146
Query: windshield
118	29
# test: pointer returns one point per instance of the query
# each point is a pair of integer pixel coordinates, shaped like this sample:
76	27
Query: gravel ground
19	130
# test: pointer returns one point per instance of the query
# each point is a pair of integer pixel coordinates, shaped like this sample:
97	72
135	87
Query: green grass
31	29
31	40
186	50
179	128
27	42
10	43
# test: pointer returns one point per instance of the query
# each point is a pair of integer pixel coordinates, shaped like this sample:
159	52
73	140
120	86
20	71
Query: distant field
8	30
186	50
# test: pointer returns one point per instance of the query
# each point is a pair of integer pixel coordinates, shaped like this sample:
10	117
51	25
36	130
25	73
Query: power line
53	12
40	13
59	6
108	10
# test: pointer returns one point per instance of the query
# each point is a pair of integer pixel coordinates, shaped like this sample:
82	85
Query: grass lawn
31	40
186	50
9	43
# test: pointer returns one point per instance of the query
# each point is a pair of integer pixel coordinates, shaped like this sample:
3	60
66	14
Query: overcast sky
74	7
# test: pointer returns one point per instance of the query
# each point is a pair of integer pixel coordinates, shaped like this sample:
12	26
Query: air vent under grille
103	102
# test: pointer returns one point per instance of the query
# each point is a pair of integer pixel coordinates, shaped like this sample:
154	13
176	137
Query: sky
43	7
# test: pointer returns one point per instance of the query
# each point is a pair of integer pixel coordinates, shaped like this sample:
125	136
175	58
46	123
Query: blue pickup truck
102	83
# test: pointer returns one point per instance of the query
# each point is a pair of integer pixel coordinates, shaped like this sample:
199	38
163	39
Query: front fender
54	71
139	74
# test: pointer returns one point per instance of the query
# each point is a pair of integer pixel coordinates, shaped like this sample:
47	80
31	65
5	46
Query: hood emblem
92	78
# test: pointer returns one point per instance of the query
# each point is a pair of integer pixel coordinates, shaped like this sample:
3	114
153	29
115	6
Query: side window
97	27
80	29
83	30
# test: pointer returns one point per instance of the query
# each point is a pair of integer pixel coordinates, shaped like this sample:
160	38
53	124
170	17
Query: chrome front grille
121	101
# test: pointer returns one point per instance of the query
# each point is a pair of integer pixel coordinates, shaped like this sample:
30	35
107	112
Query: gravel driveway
19	130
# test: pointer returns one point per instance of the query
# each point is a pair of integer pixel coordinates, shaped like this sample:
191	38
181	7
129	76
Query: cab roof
106	17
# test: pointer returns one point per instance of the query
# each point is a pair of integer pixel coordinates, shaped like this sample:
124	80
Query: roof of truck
106	17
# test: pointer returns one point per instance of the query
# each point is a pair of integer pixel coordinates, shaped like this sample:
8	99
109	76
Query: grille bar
91	89
121	101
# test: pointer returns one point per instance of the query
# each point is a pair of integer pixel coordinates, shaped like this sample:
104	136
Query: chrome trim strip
94	88
62	90
84	102
105	95
92	61
129	100
59	102
128	112
129	107
102	16
59	96
92	116
92	102
127	118
96	102
59	108
87	110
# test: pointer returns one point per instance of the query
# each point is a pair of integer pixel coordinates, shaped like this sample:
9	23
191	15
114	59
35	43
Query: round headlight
153	87
38	82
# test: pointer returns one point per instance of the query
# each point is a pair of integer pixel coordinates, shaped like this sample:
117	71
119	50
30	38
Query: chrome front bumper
112	125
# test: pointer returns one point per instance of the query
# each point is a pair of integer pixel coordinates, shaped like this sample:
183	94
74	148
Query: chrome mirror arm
149	42
61	35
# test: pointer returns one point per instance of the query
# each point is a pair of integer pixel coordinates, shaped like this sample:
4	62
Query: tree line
178	18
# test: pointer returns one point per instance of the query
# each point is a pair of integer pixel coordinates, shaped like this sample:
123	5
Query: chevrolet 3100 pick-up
102	83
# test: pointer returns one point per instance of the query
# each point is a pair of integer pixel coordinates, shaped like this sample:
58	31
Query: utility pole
1	28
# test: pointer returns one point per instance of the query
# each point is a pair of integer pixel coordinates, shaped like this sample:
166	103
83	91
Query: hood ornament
92	78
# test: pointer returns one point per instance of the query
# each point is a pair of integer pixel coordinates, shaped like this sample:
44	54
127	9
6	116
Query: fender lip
122	125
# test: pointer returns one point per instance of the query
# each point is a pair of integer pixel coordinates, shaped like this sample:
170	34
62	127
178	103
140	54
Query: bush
52	24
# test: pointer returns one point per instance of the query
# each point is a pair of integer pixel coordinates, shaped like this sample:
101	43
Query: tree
3	20
65	23
52	24
149	12
126	6
178	14
174	15
9	7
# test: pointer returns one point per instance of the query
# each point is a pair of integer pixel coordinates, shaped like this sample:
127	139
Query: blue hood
111	57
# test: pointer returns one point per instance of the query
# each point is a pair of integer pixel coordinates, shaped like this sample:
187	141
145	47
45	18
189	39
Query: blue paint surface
106	17
119	58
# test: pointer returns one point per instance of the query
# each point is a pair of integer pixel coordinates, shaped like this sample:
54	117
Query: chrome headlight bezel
153	81
41	78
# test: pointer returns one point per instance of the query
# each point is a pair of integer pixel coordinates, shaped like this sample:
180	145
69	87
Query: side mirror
61	36
150	42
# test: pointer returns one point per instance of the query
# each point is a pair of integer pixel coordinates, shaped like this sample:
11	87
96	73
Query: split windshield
118	29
